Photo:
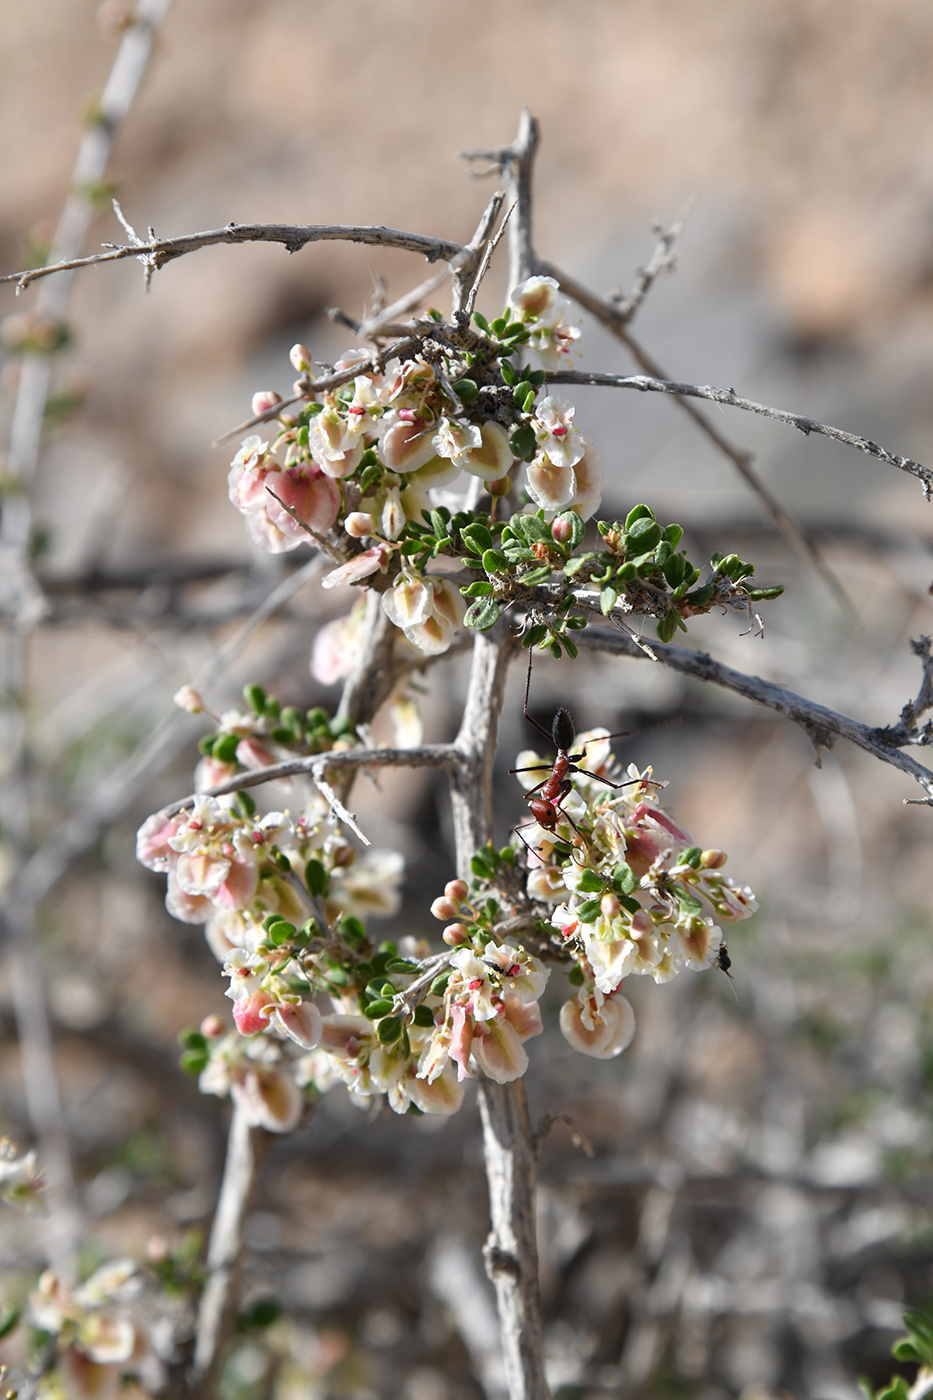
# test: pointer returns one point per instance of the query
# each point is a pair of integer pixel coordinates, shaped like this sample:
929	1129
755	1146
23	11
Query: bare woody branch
730	399
155	252
822	724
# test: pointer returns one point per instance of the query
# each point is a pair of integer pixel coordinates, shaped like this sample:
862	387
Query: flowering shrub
370	465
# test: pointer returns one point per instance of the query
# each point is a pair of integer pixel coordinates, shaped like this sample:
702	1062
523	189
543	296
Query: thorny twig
663	259
730	399
819	722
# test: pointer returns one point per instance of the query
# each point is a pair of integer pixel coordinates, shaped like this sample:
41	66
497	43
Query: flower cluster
627	887
380	450
101	1338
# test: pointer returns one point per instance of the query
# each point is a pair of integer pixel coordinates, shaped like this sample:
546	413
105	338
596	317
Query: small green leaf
476	537
225	747
378	1008
482	614
687	901
589	882
623	878
423	1016
466	390
481	321
674	569
575	976
316	878
535	576
667	626
8	1320
193	1061
389	1030
674	534
608	598
494	562
439	985
192	1040
589	910
643	535
523	443
638	513
691	857
281	932
255	697
509	373
764	595
498	325
480	867
480	589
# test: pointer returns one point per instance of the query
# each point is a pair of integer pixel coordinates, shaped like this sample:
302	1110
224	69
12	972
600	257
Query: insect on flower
547	808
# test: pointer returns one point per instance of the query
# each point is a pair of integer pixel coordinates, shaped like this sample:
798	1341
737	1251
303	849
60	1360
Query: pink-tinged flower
731	899
406	721
550	486
359	524
481	451
335	649
393	519
249	471
300	1021
336	441
407	443
270	1099
497	1045
187	698
264	400
694	944
492	458
300	357
152	840
588	472
410	600
22	1180
371	561
595	1026
556	436
313	496
443	1095
538	297
438	628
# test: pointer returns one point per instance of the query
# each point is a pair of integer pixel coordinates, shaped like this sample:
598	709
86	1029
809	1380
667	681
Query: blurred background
756	1215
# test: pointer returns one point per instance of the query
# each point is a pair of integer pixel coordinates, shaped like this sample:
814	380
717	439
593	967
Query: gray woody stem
246	1148
508	1138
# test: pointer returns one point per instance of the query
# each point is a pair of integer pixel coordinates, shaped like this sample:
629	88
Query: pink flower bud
455	889
157	1249
562	530
300	357
212	1027
359	524
609	905
454	935
444	908
187	698
642	923
713	860
264	400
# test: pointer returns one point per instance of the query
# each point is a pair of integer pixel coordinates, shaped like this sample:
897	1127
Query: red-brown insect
547	809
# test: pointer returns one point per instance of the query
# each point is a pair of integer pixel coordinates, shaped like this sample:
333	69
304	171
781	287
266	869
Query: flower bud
444	908
187	698
264	400
343	856
359	524
500	487
562	530
455	889
300	357
212	1027
454	935
713	860
613	539
157	1249
642	923
609	905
